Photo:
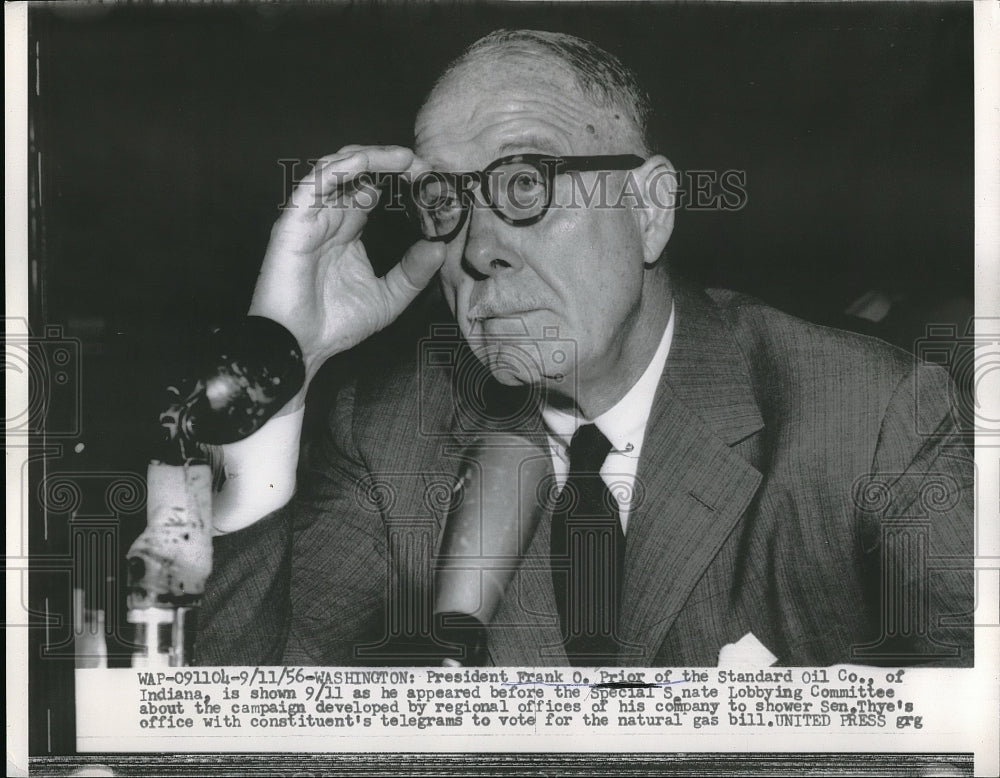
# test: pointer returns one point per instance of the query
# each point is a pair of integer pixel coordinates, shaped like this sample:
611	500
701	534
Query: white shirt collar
624	424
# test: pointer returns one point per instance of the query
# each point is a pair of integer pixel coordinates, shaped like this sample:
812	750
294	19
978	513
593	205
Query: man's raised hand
316	278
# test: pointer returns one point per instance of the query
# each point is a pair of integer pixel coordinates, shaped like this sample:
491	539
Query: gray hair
599	74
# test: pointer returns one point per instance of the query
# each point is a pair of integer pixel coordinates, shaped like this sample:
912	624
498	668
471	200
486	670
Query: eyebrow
534	142
525	143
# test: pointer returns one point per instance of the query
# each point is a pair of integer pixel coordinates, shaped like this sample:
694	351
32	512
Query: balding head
599	76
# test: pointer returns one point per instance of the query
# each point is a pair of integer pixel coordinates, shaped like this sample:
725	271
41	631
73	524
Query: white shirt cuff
260	473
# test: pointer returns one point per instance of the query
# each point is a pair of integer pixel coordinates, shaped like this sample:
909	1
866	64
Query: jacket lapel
691	490
692	487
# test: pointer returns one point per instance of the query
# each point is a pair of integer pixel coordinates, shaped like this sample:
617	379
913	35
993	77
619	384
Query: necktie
587	554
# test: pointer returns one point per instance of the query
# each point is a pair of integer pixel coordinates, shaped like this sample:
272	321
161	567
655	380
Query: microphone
494	515
249	373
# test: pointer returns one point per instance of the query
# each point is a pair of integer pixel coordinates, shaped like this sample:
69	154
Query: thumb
413	273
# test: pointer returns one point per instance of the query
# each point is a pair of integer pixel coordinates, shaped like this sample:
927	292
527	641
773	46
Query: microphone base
467	637
164	636
454	640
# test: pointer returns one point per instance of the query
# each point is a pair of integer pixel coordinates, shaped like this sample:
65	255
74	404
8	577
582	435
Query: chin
525	351
528	363
511	362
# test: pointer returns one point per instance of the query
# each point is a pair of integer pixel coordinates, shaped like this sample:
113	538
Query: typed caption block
341	709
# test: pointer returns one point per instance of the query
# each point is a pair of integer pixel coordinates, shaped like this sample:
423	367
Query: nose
486	252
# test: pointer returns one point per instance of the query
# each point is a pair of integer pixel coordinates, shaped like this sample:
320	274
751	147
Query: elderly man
795	494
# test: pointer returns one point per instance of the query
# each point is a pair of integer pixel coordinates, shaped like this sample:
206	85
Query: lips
500	314
501	309
508	321
507	306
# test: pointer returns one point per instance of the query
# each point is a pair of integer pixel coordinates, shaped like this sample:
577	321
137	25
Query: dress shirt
624	425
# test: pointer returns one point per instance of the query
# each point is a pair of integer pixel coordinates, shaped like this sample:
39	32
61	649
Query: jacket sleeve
915	516
306	584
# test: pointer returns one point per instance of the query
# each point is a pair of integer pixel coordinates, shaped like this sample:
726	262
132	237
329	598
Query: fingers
412	274
336	180
419	165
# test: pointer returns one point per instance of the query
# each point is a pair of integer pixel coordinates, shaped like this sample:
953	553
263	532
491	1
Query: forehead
487	109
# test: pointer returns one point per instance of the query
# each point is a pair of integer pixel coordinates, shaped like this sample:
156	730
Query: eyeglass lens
518	191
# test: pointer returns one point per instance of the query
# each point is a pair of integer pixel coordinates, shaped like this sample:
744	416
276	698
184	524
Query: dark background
161	131
161	128
158	132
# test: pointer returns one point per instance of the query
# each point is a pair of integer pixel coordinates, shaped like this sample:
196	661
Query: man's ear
656	180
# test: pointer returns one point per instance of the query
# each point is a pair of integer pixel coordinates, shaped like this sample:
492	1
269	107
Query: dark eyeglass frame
548	165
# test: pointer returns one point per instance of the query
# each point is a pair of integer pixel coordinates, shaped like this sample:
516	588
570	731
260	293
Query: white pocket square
746	652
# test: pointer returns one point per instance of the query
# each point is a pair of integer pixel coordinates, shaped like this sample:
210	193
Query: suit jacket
803	484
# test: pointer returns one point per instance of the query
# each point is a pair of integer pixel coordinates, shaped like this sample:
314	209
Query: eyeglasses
517	188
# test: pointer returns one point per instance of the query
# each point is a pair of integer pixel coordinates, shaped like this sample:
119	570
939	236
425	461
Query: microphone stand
249	373
466	633
495	513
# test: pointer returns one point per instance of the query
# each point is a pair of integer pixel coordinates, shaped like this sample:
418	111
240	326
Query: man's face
577	274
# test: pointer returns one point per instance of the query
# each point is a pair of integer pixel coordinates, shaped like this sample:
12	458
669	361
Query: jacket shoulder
790	358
